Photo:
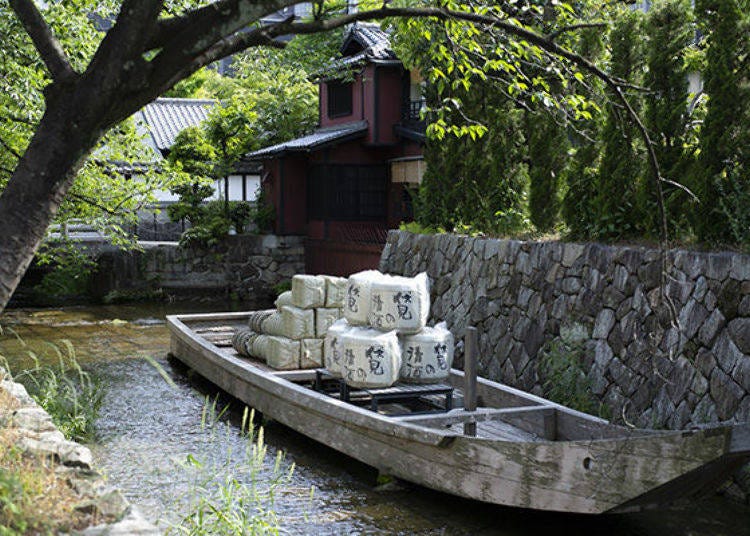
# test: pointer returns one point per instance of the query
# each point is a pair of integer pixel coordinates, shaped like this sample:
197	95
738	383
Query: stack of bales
383	337
291	336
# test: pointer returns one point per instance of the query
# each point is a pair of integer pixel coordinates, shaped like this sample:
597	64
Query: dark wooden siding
340	258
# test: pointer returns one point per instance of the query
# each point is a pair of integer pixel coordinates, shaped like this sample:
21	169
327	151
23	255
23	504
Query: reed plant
71	396
231	498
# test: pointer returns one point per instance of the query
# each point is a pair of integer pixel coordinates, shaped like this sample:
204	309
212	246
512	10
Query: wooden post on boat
471	346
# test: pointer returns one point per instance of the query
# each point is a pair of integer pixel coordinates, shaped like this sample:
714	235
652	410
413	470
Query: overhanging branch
198	30
573	27
44	40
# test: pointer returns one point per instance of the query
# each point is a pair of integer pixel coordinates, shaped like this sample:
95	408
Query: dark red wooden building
346	184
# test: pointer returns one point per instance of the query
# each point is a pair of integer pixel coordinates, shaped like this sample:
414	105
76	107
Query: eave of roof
413	134
319	139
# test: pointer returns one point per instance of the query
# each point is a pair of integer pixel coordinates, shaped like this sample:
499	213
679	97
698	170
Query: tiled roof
367	34
164	118
375	43
318	139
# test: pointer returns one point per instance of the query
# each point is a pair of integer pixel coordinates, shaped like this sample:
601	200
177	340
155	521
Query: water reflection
148	428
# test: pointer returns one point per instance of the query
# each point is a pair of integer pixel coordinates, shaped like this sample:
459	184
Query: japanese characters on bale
396	344
291	336
383	337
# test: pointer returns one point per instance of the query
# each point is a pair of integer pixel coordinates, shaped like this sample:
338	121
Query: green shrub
563	375
418	228
283	286
265	213
207	233
70	273
734	203
240	213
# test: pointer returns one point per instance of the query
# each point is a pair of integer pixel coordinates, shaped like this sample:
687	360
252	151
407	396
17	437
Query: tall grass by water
232	492
71	396
36	498
230	498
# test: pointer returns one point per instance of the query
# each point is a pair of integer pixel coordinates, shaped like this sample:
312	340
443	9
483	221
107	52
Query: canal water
156	440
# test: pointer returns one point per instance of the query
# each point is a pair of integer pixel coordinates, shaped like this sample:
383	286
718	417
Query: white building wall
252	185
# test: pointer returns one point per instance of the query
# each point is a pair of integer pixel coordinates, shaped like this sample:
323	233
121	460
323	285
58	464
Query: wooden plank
460	416
536	420
303	375
504	431
409	389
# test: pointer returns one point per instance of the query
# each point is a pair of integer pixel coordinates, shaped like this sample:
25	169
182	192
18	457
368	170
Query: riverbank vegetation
35	498
35	495
549	168
228	497
68	393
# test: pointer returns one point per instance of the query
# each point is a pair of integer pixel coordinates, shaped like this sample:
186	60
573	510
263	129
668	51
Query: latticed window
339	99
341	192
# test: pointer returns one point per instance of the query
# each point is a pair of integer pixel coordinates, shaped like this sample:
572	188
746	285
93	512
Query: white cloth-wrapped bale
308	291
311	354
371	358
285	298
427	356
273	324
335	291
261	347
357	301
283	353
332	354
242	341
400	303
298	323
324	319
256	319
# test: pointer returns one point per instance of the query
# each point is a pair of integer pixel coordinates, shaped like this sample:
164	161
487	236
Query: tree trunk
64	138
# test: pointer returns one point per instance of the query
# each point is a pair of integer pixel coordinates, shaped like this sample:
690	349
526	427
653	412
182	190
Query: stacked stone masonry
648	369
247	266
38	436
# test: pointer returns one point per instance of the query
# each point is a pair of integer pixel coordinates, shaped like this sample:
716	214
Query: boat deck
432	409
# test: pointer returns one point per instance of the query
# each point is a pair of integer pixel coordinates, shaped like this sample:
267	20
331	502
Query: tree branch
10	149
261	36
93	203
198	30
44	40
122	47
573	27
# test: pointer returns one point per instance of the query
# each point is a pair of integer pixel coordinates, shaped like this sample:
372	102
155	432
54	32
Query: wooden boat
528	452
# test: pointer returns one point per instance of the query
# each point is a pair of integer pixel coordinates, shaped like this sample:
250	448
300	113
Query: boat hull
629	471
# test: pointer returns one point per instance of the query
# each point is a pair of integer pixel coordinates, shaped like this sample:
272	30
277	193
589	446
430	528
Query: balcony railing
415	109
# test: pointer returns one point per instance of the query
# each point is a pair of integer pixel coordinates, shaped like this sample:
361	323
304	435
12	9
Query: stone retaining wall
38	436
645	369
245	266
